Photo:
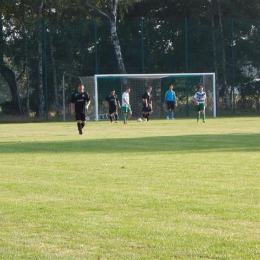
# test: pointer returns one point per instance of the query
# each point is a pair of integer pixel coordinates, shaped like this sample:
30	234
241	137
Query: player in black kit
147	104
114	104
79	102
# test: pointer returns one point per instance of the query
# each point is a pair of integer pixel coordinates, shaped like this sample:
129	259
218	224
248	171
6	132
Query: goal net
185	86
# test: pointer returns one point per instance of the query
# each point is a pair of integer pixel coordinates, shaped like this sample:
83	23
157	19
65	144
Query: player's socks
124	119
172	115
198	117
116	117
79	128
82	125
111	119
203	117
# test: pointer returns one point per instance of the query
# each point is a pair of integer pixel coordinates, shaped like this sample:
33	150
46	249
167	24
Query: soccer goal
185	86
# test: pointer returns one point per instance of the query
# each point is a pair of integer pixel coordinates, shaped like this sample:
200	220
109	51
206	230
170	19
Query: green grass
156	190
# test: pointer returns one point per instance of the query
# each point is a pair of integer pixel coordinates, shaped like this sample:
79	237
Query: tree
9	75
110	9
40	59
144	36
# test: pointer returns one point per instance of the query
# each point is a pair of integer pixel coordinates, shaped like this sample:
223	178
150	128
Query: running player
79	102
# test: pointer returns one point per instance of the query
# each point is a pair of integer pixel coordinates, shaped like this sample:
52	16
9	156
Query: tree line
43	40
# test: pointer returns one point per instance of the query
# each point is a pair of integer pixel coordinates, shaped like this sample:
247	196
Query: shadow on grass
171	144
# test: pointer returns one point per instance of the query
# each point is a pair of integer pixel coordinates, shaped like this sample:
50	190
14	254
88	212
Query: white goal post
150	77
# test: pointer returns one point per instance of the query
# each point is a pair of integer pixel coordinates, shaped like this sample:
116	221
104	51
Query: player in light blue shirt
171	102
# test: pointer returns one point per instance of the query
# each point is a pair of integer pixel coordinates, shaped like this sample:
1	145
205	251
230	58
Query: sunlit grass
156	190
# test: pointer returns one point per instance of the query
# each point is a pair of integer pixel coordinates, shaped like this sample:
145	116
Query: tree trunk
54	73
214	52
27	93
40	72
26	67
114	36
9	76
112	17
224	87
117	47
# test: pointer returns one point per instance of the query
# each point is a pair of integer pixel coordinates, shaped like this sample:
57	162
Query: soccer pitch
154	190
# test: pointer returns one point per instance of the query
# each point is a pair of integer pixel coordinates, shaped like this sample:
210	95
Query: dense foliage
43	41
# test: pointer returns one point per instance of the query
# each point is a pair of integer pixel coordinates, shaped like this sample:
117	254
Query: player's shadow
154	144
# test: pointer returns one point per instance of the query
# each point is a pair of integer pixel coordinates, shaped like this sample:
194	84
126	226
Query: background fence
84	48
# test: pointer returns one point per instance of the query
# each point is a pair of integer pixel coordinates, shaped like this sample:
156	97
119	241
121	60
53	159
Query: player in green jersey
200	99
126	107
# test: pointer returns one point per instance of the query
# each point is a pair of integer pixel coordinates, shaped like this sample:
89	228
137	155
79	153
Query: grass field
155	190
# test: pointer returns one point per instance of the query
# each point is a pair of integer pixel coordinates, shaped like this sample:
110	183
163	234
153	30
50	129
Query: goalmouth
185	86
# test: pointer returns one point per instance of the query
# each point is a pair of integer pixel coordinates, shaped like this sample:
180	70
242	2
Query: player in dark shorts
114	104
79	102
171	102
147	104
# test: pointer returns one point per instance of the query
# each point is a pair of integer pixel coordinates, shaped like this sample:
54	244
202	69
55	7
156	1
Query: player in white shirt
200	98
126	107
